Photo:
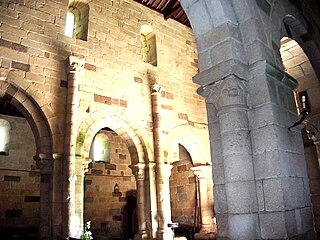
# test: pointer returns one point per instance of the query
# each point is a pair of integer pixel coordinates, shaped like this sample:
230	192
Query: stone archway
187	149
43	139
139	155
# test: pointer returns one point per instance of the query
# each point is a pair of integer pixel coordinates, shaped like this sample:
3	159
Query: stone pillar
44	163
236	206
139	172
72	221
163	170
278	153
312	155
206	231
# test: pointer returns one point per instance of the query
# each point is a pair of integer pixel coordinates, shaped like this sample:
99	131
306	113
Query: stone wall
104	207
19	178
183	191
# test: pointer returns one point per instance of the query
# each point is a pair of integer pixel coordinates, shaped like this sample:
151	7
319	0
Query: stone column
44	163
152	194
236	204
206	231
72	221
139	172
163	170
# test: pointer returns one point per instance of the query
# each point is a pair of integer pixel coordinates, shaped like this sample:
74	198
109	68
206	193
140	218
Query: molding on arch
33	114
190	138
137	140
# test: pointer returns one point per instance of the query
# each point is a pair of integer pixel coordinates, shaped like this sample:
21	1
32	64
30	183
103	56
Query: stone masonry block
273	225
252	30
292	164
293	193
258	91
220	200
243	226
238	168
233	120
241	197
264	139
306	219
273	195
218	173
239	143
266	164
291	223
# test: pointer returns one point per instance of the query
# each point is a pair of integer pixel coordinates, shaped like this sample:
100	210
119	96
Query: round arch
33	114
136	139
191	140
295	26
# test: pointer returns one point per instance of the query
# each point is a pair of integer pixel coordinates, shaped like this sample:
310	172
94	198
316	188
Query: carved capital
76	64
230	91
138	170
156	88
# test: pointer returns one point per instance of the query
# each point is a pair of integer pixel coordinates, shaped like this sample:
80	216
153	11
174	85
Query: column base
204	236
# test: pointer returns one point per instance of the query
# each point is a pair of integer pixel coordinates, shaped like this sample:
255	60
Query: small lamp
116	188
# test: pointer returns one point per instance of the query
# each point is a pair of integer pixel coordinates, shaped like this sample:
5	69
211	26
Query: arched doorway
109	183
26	166
126	172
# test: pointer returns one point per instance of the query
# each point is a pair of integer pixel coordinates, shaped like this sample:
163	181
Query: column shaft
72	222
163	170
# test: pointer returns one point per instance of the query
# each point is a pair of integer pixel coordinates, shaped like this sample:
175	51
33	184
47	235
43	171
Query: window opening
101	148
148	45
77	21
5	128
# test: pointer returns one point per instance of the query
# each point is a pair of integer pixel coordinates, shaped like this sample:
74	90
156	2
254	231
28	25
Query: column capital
156	89
227	92
138	170
75	64
201	171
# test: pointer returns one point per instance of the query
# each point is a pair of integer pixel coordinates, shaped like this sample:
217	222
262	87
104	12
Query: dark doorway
132	219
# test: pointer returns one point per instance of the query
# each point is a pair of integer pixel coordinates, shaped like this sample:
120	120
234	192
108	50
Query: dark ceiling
169	9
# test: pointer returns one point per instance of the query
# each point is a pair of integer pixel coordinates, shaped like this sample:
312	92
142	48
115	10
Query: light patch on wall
4	137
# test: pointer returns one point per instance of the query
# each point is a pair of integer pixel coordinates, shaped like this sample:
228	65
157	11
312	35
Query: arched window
148	45
4	137
101	148
77	20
